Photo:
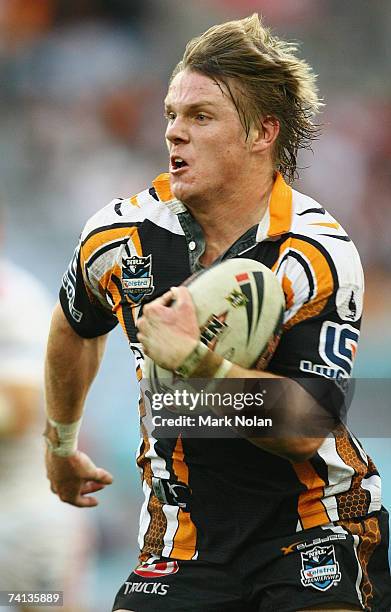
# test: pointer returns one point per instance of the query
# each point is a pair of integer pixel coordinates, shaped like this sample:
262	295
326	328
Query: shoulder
122	215
319	236
318	264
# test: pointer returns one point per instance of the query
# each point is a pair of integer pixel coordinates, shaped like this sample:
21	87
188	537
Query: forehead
190	88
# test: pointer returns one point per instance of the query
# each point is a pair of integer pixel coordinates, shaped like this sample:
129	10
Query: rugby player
230	524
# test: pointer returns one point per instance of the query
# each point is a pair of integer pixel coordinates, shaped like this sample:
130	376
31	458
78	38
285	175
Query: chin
181	191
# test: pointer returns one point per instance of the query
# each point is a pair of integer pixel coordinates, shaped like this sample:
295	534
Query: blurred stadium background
81	122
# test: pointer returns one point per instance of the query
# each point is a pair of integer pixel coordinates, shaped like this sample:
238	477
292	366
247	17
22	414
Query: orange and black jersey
134	250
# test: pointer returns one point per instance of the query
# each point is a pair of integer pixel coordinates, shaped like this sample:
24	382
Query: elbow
296	450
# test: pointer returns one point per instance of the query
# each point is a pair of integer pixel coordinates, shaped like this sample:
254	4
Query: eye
201	117
169	115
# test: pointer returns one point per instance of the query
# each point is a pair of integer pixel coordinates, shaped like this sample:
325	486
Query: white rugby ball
239	305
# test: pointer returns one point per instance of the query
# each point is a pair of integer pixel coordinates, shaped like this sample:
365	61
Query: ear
265	134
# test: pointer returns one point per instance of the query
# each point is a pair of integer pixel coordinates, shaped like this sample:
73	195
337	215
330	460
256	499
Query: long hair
263	77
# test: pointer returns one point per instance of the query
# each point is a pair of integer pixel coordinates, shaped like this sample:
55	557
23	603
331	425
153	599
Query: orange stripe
186	535
309	506
117	308
105	283
324	281
162	186
105	279
288	291
98	240
280	208
283	247
334	225
179	466
133	201
320	266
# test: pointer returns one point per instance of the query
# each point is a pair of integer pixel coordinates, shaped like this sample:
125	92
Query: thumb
102	476
181	295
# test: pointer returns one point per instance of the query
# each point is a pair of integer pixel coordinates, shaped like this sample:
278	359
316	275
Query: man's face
204	131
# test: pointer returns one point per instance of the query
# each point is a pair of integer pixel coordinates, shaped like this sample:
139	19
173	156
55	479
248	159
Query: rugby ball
239	305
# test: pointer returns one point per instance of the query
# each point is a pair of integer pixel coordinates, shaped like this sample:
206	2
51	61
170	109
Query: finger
144	323
140	322
77	499
103	476
181	295
165	299
85	502
91	487
145	348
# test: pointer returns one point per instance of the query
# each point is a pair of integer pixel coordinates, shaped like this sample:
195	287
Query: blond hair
264	78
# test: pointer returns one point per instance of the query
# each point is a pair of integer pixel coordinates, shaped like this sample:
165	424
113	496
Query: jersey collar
164	193
276	221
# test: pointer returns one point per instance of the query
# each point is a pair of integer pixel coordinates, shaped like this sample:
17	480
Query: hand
168	332
73	478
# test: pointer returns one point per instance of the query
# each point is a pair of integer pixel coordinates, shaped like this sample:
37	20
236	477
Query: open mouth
177	163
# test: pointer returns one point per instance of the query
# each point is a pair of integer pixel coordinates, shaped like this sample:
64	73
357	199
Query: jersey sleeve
81	301
84	295
324	297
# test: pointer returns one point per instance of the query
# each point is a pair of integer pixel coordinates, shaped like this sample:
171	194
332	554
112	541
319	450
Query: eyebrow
190	107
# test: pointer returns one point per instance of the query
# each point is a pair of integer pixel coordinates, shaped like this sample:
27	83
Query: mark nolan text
238	420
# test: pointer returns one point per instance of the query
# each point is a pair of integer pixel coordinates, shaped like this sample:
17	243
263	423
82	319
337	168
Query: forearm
296	411
71	365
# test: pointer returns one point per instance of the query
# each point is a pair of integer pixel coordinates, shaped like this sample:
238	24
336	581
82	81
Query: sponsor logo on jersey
300	545
137	279
338	346
149	588
153	570
320	569
172	493
287	550
69	284
349	303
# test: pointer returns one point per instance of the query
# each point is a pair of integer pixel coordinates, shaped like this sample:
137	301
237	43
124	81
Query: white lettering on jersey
69	284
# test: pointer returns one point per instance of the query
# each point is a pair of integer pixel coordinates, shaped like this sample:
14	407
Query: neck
227	216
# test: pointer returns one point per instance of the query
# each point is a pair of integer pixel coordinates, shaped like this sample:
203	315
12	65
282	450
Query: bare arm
71	365
295	406
169	334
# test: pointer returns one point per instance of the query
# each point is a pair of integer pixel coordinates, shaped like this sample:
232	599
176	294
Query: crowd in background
81	122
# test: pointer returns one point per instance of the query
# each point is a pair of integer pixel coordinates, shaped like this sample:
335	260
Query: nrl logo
237	298
320	569
137	280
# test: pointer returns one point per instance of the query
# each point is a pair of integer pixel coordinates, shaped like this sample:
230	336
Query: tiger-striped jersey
134	250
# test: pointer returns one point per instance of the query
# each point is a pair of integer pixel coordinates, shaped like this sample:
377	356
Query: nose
177	131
